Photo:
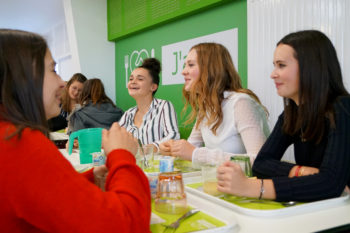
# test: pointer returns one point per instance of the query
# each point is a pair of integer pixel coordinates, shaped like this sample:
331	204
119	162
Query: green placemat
196	222
245	202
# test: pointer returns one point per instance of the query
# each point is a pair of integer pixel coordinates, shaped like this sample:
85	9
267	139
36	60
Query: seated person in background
70	97
96	110
152	120
316	121
44	193
228	117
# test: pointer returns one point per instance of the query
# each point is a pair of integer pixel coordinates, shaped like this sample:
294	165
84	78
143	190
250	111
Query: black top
58	122
331	156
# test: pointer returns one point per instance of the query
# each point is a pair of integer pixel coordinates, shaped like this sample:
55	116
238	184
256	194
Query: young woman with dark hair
228	117
95	109
316	121
40	190
152	120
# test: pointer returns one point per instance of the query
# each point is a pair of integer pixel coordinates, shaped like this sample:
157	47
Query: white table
317	220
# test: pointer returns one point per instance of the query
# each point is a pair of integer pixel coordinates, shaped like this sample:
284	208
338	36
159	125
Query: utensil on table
145	161
289	203
176	224
263	201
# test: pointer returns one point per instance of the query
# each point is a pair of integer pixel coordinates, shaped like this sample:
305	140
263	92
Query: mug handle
71	141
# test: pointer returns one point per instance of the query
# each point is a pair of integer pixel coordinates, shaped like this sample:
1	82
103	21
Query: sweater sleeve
48	194
268	161
334	172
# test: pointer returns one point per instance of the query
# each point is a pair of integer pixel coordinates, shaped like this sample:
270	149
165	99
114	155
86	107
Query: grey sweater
94	116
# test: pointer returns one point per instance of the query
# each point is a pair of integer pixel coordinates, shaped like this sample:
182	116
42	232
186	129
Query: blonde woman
228	117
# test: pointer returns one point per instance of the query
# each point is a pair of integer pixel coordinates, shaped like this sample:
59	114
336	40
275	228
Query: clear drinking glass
244	162
209	180
170	197
144	156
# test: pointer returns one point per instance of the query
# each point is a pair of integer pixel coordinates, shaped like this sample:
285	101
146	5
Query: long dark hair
22	66
320	84
94	92
66	100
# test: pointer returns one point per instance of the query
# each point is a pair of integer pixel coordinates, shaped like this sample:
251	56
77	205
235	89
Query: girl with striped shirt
152	120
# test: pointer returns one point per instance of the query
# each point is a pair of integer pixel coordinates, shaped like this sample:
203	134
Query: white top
159	123
244	130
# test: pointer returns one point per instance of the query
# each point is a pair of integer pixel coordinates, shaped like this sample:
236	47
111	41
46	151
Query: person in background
316	121
228	117
44	193
95	109
152	120
70	98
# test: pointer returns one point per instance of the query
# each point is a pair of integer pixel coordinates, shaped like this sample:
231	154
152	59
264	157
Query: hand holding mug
118	138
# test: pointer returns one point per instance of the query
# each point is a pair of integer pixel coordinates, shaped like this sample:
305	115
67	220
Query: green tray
245	202
196	222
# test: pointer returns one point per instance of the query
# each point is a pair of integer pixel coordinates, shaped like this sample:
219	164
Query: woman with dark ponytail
152	120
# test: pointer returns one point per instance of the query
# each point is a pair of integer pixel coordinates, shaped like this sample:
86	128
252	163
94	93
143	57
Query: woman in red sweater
39	189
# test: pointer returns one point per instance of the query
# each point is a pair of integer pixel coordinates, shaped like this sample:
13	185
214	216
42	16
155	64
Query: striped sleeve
169	120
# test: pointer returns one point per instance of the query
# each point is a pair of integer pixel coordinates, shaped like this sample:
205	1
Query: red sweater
41	192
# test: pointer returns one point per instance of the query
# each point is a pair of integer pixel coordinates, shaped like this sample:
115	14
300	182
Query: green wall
216	19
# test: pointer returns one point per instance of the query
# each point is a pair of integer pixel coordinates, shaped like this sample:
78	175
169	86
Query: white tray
284	212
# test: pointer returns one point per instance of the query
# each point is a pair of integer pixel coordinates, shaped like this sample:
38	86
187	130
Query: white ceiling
31	15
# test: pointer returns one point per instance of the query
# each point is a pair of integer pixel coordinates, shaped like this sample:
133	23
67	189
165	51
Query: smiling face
191	69
140	83
286	72
75	90
52	88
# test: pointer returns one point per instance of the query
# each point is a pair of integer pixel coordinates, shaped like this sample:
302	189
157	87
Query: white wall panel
270	20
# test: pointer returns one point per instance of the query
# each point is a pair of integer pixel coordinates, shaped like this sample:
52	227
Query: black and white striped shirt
159	123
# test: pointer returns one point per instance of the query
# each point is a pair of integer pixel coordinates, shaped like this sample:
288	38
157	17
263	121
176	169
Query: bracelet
296	174
262	190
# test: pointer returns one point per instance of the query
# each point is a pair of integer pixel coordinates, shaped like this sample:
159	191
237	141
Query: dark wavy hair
320	84
94	92
22	66
153	66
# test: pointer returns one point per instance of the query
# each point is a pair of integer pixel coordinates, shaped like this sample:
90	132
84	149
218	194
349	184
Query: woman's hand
181	148
118	138
231	179
165	147
303	171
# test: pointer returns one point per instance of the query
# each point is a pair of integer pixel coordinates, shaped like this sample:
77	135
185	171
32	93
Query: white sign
174	55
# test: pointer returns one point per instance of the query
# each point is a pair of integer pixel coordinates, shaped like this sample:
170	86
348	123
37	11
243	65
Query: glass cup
170	197
100	181
209	180
145	152
244	162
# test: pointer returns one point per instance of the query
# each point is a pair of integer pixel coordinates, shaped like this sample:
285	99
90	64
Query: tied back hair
152	65
22	66
217	74
320	85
